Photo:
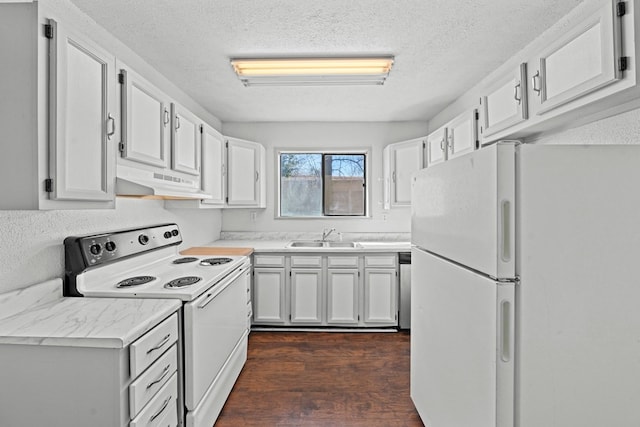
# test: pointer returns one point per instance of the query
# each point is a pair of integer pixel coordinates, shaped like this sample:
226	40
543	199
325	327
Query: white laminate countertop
281	246
79	322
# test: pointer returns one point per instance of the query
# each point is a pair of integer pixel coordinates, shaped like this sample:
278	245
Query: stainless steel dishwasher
404	259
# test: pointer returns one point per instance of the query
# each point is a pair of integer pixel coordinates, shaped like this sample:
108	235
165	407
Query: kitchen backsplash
306	235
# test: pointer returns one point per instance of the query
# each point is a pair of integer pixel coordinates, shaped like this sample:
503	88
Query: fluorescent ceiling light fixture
312	71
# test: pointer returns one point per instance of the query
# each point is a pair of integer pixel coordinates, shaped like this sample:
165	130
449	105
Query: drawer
306	261
147	385
162	411
342	261
151	345
268	260
383	261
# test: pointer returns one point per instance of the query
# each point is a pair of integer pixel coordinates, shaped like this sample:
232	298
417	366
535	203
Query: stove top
140	263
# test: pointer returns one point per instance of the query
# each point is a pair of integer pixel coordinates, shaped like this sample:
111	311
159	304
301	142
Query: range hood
134	182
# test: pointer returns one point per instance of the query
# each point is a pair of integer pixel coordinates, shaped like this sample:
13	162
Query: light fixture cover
312	71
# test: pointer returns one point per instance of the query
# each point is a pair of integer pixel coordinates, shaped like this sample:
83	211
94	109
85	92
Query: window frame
366	152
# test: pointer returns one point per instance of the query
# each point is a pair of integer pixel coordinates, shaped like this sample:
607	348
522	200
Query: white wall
322	135
31	244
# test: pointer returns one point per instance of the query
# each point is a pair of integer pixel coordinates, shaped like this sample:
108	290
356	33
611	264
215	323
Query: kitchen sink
321	245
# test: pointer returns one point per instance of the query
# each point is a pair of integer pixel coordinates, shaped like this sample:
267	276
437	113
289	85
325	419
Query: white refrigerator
525	294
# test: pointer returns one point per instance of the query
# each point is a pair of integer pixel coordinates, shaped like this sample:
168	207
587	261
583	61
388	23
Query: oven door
213	325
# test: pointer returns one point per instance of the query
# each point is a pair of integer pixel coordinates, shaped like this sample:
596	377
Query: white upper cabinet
245	181
437	146
81	118
213	173
462	134
146	120
185	141
504	103
401	160
586	59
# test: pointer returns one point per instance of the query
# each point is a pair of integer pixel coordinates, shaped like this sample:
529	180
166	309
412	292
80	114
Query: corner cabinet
400	161
145	120
82	118
246	185
459	136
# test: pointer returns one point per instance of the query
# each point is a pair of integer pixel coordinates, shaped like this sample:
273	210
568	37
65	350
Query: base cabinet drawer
143	388
162	410
151	345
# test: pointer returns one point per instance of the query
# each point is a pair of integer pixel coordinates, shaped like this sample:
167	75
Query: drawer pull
160	344
164	406
165	371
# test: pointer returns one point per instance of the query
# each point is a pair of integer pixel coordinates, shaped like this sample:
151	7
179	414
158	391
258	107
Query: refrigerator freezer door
461	345
464	209
579	316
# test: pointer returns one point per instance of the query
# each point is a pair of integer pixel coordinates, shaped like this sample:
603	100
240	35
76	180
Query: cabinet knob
535	82
111	126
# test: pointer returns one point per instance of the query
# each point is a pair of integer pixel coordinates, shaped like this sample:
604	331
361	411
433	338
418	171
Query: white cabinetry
400	161
185	141
81	117
585	59
145	120
504	103
269	285
325	290
437	146
246	185
93	386
381	290
213	173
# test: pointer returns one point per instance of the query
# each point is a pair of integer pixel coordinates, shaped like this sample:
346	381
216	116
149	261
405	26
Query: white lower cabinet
268	296
306	296
343	287
93	386
345	290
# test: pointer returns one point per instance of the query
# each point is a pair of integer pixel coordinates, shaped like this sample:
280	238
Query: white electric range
144	263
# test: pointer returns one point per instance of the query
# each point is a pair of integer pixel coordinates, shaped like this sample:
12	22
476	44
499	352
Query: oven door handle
221	287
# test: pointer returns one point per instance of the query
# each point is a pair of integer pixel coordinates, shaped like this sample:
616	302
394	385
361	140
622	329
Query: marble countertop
77	322
282	246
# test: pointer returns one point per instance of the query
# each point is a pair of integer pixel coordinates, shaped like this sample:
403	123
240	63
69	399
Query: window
322	184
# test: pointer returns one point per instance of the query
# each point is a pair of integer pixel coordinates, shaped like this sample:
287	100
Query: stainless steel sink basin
306	244
321	245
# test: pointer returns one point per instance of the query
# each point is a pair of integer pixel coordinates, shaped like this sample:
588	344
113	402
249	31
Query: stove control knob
110	246
143	239
174	232
95	249
167	234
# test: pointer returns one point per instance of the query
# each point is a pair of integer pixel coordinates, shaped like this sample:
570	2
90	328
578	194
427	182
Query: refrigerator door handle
505	330
505	230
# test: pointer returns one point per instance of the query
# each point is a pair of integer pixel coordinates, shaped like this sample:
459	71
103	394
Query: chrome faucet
326	232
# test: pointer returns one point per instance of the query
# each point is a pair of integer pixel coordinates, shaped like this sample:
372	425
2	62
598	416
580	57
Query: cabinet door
81	118
268	295
342	296
146	121
306	296
462	134
504	104
213	166
243	173
584	60
437	146
406	158
381	296
185	143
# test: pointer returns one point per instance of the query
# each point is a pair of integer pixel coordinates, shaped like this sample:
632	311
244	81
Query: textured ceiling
441	49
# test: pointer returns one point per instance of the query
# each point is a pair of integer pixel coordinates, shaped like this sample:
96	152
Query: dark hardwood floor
323	379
